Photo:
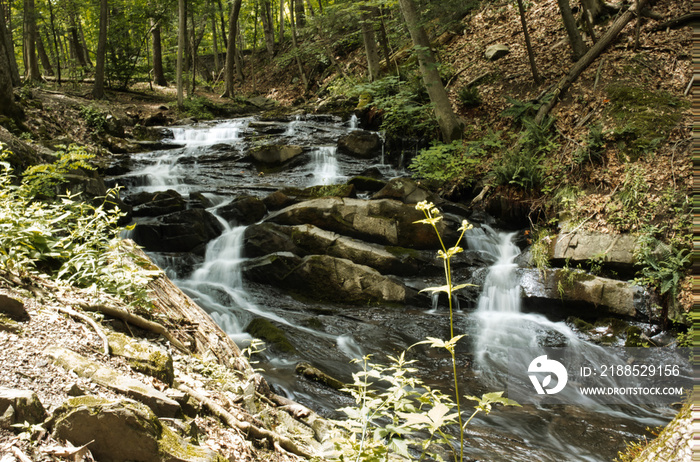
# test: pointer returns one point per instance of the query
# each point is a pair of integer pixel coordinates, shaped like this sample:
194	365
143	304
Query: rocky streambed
302	232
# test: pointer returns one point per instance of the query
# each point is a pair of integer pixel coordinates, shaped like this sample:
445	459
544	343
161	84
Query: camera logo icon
542	365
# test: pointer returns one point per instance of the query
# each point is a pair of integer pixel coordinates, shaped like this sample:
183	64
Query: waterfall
292	127
353	122
324	166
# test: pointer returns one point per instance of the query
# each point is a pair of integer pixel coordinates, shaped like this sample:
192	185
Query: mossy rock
274	336
9	325
143	357
642	118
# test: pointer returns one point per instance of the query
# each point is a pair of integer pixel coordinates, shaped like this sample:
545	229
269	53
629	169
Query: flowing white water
353	122
324	166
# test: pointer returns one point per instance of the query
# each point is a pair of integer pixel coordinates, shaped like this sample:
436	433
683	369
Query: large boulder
122	430
244	210
275	154
323	277
13	308
566	292
383	221
19	406
184	231
153	204
359	143
615	251
406	191
308	239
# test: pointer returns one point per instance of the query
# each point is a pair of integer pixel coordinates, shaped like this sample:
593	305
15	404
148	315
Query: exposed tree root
96	327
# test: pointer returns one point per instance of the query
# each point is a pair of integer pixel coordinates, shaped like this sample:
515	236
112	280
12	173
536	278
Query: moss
263	329
143	358
172	446
634	337
9	325
642	118
580	324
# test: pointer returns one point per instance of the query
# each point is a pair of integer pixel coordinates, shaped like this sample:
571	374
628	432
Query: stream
209	158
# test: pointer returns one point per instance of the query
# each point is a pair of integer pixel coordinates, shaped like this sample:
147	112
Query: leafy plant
468	96
663	266
594	146
43	180
541	240
94	118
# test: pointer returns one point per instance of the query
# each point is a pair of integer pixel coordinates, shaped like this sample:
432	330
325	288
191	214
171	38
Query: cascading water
324	166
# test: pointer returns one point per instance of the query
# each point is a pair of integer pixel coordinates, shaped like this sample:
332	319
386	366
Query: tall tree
43	56
214	39
370	41
9	49
181	44
98	90
158	75
74	34
281	23
31	63
577	46
294	23
7	99
231	48
299	14
268	27
450	125
52	22
526	33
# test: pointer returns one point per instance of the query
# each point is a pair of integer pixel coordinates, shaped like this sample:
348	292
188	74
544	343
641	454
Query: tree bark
182	25
31	64
384	40
530	52
76	46
215	40
268	28
450	125
9	50
577	46
281	24
158	75
231	48
584	62
299	14
98	90
43	56
55	42
370	42
294	22
7	99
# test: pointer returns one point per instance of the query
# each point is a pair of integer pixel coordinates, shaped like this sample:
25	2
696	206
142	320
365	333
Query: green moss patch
642	118
271	334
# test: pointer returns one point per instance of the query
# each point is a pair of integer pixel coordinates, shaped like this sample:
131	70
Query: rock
9	325
156	119
365	183
359	143
110	378
198	199
244	210
153	204
305	240
13	308
577	293
273	336
19	406
615	251
406	191
312	373
122	430
262	103
151	133
272	268
185	231
114	126
277	200
143	357
495	52
275	153
383	221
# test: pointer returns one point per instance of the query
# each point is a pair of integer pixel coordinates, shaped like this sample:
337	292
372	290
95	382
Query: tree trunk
281	32
231	48
215	40
584	62
43	56
299	14
268	28
55	43
370	41
31	64
450	125
9	50
577	46
7	99
384	40
98	91
83	43
158	75
76	46
530	52
238	57
181	44
294	23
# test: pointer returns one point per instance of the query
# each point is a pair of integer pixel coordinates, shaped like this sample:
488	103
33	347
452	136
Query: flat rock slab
585	246
143	357
109	378
13	309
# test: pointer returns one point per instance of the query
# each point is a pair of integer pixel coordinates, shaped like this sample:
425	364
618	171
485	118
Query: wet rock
114	126
109	378
122	430
151	133
272	268
406	191
310	372
273	336
13	308
365	183
359	143
275	154
143	357
277	200
185	231
198	199
243	210
19	406
153	204
382	221
266	238
577	293
495	52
